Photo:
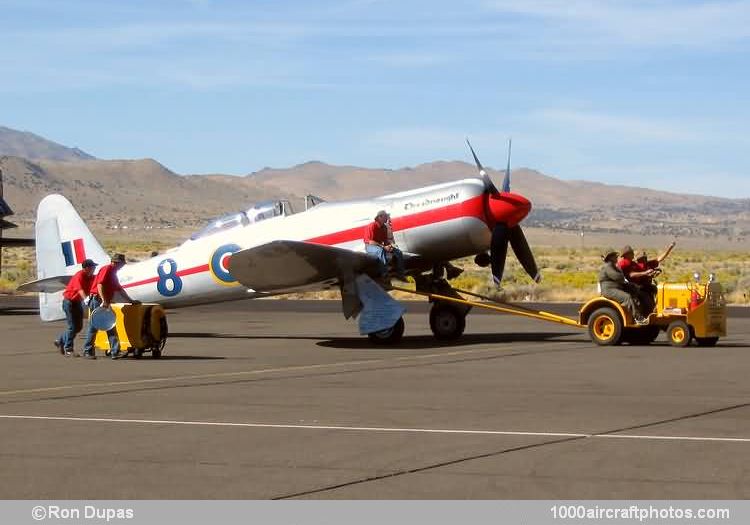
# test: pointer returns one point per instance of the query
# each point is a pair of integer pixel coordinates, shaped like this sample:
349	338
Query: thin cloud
641	23
634	128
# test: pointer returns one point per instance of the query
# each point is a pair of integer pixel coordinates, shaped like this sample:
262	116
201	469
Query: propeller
506	180
502	232
488	184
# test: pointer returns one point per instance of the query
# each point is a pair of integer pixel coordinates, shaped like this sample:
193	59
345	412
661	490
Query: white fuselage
439	223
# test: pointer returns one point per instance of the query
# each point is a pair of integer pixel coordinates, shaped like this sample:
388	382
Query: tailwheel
706	341
605	327
447	322
679	333
389	336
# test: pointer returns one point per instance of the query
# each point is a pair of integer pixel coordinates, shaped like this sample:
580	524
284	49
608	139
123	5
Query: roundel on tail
218	265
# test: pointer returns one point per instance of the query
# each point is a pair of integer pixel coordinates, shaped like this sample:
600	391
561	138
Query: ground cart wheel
390	335
706	341
605	327
678	333
447	322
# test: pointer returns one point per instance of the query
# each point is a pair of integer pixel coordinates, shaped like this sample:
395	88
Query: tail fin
63	241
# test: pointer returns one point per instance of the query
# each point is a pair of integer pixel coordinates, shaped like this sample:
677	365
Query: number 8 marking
169	283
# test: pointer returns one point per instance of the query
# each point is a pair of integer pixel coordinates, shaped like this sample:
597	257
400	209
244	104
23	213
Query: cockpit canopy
259	212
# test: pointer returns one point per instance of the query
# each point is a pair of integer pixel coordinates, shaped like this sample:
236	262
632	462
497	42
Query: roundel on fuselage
218	265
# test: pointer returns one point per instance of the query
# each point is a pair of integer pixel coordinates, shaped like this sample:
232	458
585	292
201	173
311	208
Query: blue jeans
74	319
114	341
382	255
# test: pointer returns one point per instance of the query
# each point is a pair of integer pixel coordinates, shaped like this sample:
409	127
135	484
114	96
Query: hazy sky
648	93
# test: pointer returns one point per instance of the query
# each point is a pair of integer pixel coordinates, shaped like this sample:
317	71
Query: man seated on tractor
633	273
643	264
614	286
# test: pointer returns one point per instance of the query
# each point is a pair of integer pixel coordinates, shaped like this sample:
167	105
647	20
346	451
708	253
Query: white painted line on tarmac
244	373
377	429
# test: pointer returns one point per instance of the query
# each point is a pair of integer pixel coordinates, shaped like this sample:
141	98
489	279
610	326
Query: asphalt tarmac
282	400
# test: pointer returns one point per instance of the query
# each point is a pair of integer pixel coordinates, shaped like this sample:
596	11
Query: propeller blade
521	248
506	180
498	251
488	184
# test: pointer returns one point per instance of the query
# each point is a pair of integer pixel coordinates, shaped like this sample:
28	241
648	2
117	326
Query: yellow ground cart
685	311
141	328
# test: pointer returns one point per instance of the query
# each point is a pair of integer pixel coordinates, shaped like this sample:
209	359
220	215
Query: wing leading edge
287	266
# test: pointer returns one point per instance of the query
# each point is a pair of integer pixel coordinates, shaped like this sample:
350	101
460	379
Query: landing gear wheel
447	322
389	336
605	327
706	341
679	334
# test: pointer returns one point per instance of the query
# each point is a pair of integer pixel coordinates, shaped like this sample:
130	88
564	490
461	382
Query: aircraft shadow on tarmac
413	342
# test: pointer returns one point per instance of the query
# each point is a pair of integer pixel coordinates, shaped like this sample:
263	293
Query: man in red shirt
103	289
379	245
73	297
637	274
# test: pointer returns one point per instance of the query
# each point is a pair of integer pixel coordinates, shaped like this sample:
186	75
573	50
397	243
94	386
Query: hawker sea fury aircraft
268	250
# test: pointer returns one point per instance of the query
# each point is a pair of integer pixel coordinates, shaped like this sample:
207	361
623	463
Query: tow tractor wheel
390	335
447	322
706	341
605	327
678	333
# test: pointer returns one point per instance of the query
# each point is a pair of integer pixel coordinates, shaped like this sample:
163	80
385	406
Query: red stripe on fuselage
181	273
473	207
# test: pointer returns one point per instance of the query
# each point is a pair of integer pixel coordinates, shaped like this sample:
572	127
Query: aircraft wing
292	265
48	285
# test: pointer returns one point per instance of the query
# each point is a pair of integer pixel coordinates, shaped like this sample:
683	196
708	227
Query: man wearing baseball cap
73	297
103	290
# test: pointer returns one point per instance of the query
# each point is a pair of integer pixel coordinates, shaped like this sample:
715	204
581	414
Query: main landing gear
447	318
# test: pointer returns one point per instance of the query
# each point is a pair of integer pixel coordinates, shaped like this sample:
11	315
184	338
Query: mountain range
144	192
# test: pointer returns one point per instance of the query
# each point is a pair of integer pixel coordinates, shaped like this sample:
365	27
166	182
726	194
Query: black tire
706	341
389	336
679	333
605	327
640	336
447	322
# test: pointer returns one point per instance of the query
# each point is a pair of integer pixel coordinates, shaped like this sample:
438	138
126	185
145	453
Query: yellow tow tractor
685	311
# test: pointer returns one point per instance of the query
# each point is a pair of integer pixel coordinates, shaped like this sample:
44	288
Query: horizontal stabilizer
293	265
48	285
16	242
